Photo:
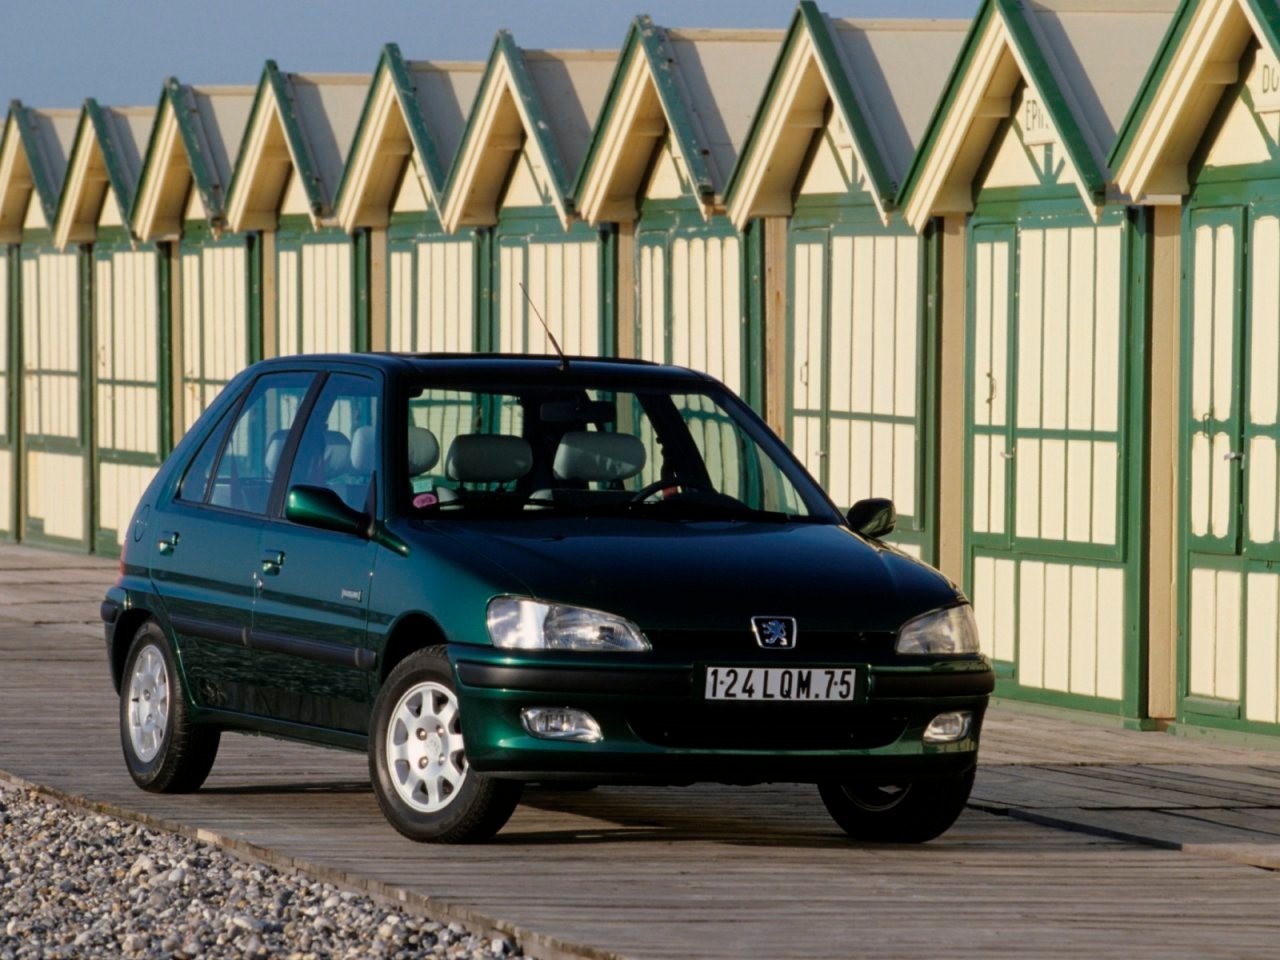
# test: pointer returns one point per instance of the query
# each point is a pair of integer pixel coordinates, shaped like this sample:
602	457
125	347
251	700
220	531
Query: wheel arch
126	628
410	633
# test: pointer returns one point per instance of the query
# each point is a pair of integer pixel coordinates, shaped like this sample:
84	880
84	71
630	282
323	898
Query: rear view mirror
321	507
874	517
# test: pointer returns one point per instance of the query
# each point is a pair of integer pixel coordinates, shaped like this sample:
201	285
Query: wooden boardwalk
710	871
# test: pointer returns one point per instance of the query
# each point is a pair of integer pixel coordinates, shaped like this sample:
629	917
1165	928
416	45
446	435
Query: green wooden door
1229	643
55	403
318	290
857	360
131	423
431	289
10	360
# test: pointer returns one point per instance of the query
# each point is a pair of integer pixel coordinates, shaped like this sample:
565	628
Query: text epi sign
1265	84
1036	128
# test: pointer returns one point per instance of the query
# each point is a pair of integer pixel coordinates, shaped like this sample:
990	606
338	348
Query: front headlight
941	632
516	623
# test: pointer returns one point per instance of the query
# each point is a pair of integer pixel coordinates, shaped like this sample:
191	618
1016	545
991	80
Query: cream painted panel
287	302
1006	613
911	550
51	345
1200	480
7	491
1204	618
845	347
1226	679
652	303
982	365
714	319
55	485
1027	466
1110	632
1262	675
1030	323
904	468
806	375
295	202
4	369
1053	489
1106	345
908	359
839	476
511	306
884	290
1106	484
108	350
1220	485
861	459
984	602
863	265
1084	630
191	337
120	488
681	273
409	197
326	298
982	483
1056	320
1224	302
1080	347
534	334
731	313
445	311
1079	493
1262	489
1264	322
1057	626
1202	324
882	460
1031	624
1000	267
400	300
529	186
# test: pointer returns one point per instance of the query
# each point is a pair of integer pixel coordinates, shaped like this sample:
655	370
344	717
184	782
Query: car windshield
680	453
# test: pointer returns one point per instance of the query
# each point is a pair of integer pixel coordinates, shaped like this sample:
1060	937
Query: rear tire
417	759
163	750
911	812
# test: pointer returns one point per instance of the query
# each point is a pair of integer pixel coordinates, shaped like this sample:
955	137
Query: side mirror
874	517
321	507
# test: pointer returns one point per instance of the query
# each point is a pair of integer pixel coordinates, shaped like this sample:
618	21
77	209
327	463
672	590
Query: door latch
1233	455
272	561
168	542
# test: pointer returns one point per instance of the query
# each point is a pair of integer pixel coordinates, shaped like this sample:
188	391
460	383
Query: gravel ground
76	884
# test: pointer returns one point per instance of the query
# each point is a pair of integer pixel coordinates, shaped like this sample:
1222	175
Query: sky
55	53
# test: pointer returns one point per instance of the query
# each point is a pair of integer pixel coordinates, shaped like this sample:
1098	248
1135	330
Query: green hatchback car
487	571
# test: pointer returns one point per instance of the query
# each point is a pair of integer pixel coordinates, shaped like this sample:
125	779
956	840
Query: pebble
80	885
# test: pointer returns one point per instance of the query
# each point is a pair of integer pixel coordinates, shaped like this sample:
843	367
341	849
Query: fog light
561	723
948	727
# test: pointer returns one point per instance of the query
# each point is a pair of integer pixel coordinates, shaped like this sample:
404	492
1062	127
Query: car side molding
358	658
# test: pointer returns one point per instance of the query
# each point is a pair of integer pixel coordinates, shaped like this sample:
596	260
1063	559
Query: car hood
710	575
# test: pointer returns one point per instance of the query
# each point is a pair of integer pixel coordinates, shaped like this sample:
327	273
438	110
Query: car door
310	621
205	553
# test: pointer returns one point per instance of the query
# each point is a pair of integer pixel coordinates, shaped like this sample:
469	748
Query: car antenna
564	361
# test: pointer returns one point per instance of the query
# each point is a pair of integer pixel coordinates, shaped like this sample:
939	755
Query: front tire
418	762
163	750
910	812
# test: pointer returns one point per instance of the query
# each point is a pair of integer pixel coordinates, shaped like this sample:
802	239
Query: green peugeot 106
492	570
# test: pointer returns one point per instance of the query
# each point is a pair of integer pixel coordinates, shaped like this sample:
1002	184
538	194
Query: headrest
275	447
595	457
337	454
488	458
363	449
424	450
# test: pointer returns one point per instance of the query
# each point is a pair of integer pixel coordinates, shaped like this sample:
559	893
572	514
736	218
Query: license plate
779	683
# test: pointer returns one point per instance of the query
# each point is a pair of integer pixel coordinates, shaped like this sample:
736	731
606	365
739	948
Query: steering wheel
649	489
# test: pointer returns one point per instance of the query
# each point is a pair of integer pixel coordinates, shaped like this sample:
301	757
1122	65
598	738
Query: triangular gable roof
1198	59
882	78
302	123
417	108
547	99
194	137
1082	59
33	158
701	86
107	154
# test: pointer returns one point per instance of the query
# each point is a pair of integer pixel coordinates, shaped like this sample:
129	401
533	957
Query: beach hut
214	302
1201	146
287	172
854	355
44	461
675	116
525	136
423	281
1049	400
127	314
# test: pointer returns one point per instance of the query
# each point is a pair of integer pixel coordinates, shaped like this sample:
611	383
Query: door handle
1009	454
1233	455
168	541
272	561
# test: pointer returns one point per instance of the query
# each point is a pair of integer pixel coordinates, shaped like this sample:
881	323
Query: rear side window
196	482
250	451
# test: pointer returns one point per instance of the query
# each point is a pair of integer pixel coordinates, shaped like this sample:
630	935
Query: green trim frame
11	424
42	176
1009	212
1055	102
646	39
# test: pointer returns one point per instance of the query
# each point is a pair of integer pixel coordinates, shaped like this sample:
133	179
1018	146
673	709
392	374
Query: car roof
497	366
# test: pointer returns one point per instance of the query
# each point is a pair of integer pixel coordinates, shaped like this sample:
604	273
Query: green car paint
290	627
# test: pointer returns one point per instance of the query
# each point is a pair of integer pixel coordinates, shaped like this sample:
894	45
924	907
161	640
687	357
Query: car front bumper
658	728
